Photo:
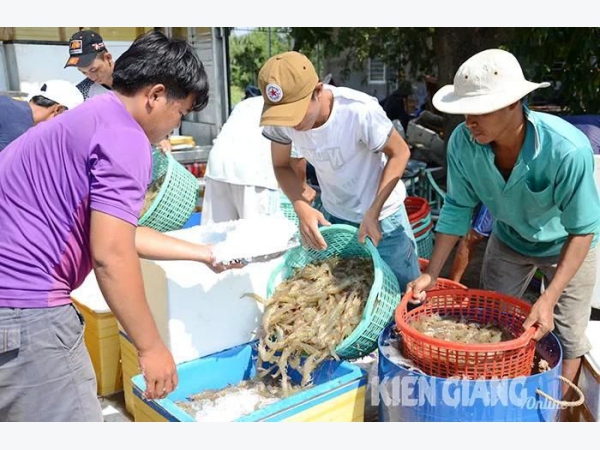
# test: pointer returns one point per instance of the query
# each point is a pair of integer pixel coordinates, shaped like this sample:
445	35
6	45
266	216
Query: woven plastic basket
440	358
425	245
442	283
176	198
342	241
288	209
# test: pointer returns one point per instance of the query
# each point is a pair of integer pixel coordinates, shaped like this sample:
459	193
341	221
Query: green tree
566	55
250	51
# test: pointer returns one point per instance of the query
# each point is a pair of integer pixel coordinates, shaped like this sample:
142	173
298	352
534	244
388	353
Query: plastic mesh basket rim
170	215
383	297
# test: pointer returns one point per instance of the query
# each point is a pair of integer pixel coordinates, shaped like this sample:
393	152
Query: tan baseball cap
286	82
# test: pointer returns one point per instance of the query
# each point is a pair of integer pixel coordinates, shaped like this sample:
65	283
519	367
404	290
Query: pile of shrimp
459	329
310	314
151	194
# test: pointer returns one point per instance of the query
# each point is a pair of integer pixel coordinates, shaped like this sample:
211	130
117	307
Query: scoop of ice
250	238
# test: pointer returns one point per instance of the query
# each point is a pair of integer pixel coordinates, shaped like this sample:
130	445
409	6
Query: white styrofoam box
596	294
199	312
89	294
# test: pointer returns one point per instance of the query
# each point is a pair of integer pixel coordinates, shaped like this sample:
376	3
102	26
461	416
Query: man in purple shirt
71	191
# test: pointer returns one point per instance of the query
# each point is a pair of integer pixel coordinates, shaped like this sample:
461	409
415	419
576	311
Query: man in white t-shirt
358	157
240	182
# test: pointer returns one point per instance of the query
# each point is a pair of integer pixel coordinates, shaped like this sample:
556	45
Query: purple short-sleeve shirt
95	157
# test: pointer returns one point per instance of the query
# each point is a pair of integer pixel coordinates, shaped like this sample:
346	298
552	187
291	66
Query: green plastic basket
342	241
425	245
176	198
288	209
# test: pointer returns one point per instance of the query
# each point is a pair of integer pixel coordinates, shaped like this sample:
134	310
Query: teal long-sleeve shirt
550	193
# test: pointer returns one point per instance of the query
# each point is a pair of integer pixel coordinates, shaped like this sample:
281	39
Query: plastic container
177	197
342	240
337	396
407	395
437	357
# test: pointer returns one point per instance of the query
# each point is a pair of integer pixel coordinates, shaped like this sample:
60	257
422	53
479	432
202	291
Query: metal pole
268	42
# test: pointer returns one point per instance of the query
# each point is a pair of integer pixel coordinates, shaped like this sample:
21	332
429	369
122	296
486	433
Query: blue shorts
483	222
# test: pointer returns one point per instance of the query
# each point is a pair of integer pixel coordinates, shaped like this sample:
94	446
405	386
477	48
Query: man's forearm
444	243
571	257
150	244
392	173
291	185
120	281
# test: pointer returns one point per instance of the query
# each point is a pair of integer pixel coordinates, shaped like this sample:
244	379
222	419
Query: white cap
486	82
61	92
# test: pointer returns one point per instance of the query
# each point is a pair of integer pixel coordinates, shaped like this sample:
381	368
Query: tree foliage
569	56
249	52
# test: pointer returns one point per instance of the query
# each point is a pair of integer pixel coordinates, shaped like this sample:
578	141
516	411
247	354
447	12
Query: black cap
83	47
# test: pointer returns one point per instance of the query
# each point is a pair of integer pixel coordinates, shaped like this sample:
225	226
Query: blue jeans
397	246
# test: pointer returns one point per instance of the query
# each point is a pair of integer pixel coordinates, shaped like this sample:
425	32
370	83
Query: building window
376	71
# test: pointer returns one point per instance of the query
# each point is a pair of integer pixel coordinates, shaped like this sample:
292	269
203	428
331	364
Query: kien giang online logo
415	391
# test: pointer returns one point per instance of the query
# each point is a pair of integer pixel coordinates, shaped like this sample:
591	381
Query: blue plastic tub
193	221
338	393
409	396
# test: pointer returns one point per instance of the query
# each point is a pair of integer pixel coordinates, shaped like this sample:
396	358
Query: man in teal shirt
535	173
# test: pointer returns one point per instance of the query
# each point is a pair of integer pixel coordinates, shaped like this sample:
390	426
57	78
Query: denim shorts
397	246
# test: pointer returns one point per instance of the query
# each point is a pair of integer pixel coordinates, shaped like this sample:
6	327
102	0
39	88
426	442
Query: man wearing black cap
89	54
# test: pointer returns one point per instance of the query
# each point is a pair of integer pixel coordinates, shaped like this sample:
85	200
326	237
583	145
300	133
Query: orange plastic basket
417	208
442	283
447	359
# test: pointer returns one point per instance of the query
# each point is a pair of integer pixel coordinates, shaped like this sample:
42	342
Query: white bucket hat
486	82
61	92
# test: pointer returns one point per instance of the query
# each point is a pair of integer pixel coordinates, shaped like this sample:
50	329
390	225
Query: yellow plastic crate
102	341
130	368
338	394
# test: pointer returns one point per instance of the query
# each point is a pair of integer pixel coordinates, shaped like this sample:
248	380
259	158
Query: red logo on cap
274	92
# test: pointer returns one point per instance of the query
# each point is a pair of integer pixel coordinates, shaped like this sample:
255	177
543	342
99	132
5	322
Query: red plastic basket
417	208
442	283
446	359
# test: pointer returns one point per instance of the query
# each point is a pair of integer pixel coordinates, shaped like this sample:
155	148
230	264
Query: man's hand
310	219
165	145
159	370
541	316
418	287
309	194
207	257
370	227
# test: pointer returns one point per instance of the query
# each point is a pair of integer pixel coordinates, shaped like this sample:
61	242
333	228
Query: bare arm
398	153
444	243
298	165
292	186
286	171
151	244
571	257
119	276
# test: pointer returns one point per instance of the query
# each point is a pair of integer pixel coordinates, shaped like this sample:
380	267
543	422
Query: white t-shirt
241	154
346	152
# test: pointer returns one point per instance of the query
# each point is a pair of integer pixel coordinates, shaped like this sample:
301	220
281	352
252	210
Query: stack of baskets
445	359
177	197
419	216
342	241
